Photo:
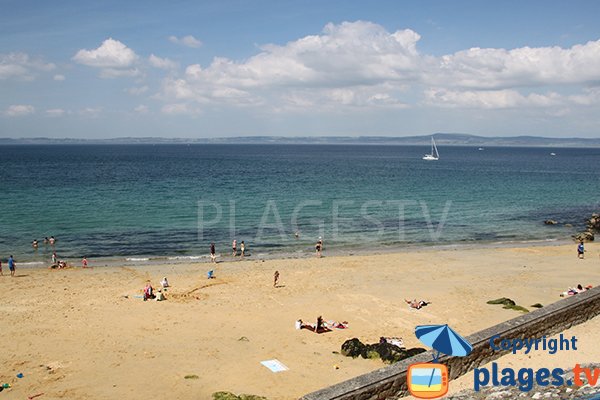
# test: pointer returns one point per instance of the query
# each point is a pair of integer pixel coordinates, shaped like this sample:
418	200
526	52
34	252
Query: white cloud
526	66
110	73
21	66
137	91
55	112
111	54
344	59
179	109
19	110
90	112
59	77
162	63
491	99
188	41
141	109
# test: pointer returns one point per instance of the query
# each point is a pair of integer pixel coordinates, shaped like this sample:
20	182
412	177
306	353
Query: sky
226	68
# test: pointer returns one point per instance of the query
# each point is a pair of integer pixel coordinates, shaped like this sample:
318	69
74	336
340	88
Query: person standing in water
84	262
243	249
234	248
213	255
319	248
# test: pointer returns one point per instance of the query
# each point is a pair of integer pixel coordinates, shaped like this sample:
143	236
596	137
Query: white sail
434	155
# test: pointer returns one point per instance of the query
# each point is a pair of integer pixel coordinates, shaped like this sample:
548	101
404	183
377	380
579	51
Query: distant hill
445	139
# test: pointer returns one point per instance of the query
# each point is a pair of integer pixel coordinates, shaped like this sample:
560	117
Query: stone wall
390	382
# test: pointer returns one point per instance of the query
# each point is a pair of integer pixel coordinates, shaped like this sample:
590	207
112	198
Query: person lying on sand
417	304
396	341
336	325
573	291
319	327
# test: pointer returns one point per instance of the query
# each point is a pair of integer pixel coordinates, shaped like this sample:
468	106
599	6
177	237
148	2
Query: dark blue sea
168	202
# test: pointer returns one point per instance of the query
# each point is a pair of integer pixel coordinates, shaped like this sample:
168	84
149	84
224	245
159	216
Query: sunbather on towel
396	341
336	325
417	304
573	291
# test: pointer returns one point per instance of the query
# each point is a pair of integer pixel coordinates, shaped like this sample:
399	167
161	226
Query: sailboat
434	152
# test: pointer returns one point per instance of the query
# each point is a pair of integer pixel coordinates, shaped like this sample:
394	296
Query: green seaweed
537	305
191	377
508	304
503	300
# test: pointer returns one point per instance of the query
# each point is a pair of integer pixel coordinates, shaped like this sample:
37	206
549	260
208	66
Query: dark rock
550	222
352	348
586	236
386	351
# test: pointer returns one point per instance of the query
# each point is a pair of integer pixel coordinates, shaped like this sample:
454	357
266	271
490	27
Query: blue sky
103	69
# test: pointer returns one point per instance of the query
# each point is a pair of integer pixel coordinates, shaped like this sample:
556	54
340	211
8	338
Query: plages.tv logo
430	380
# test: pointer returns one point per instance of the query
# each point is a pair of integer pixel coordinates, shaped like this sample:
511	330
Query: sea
143	203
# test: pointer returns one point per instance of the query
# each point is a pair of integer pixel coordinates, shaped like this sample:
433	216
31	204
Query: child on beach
580	250
164	283
318	248
84	262
148	291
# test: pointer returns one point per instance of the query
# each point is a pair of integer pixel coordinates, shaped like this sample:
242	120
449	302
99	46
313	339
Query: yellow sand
74	335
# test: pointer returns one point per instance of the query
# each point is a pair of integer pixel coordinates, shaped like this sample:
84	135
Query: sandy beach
87	334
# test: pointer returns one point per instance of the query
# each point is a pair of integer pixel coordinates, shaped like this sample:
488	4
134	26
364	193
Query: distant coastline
443	139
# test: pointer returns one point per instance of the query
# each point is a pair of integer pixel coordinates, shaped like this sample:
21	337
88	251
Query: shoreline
151	260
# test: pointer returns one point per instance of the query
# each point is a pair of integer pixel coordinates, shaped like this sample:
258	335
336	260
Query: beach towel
274	365
311	328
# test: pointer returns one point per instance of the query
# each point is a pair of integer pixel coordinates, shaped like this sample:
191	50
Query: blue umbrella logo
443	339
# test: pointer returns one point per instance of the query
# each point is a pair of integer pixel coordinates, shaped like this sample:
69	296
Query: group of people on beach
234	250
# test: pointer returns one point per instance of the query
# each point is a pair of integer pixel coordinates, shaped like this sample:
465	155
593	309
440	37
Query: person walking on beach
275	278
234	247
242	249
11	265
580	250
213	255
1	274
84	262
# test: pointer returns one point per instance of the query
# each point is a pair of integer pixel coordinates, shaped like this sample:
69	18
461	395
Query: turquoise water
171	201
